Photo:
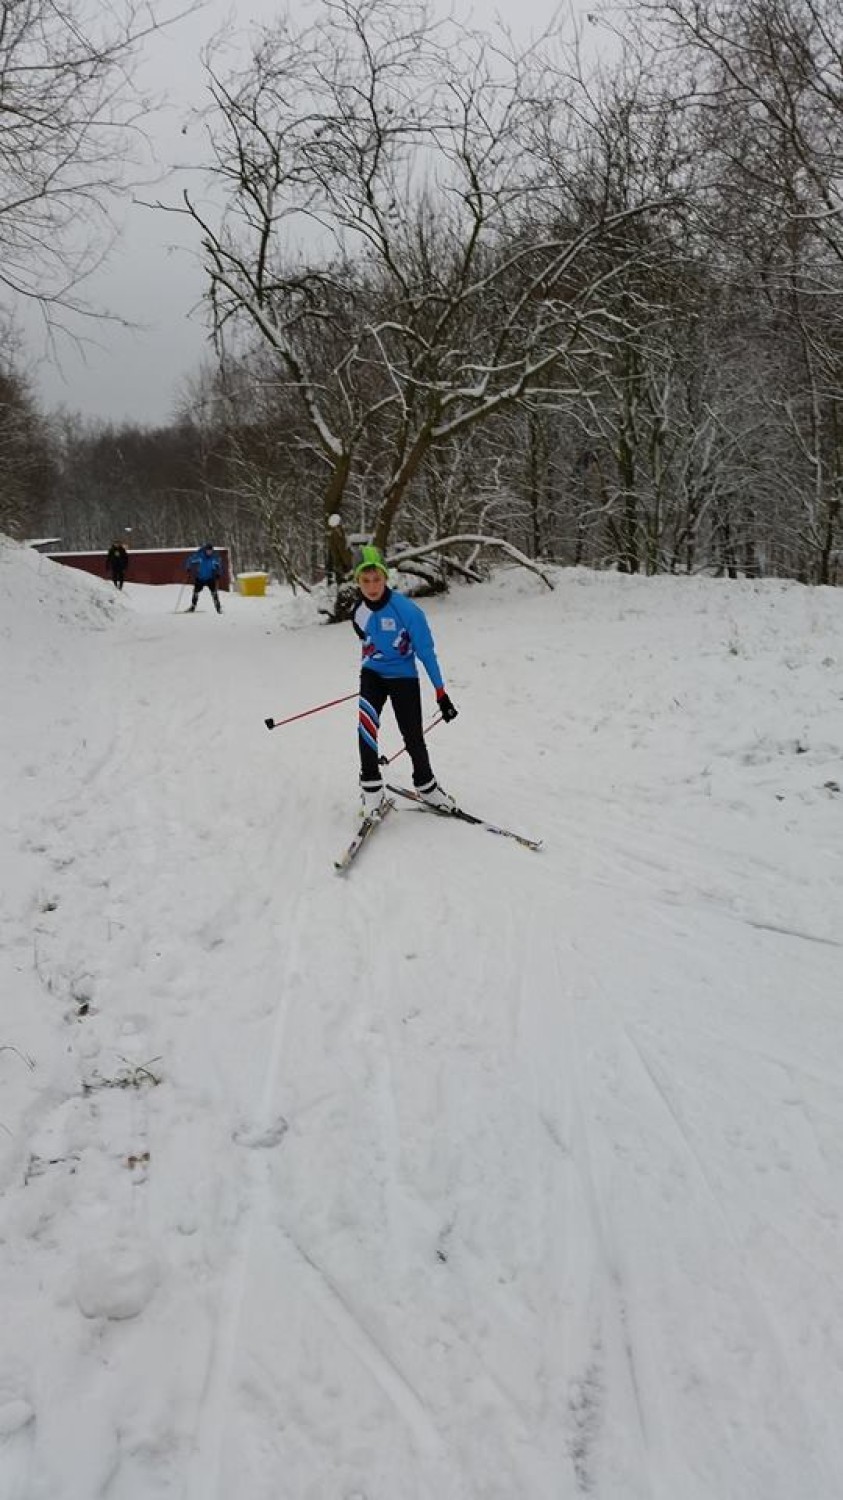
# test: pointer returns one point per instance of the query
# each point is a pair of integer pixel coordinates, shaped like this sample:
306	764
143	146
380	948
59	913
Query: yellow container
253	584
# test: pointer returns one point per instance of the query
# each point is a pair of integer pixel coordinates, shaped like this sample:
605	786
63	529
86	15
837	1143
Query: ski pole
386	760
277	723
178	601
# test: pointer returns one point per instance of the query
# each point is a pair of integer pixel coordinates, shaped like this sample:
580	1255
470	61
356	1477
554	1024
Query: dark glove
446	707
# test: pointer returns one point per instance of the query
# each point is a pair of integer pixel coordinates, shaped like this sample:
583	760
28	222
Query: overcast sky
152	277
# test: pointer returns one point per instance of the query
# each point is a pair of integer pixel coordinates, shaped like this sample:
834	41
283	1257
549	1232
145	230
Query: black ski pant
118	576
404	694
211	585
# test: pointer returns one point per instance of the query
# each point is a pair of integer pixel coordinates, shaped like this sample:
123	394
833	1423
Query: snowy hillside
477	1174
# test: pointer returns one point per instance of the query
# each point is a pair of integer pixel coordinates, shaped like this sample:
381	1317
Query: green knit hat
370	558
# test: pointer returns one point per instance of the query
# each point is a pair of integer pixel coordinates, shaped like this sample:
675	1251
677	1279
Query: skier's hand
446	707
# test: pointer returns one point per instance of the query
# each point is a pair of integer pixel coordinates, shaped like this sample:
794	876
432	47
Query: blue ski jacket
204	565
395	633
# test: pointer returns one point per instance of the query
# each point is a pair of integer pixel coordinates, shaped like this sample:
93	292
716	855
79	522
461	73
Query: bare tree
68	111
763	81
770	71
25	457
436	289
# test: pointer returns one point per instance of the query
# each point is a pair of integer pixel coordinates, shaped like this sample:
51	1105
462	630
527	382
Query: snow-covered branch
401	559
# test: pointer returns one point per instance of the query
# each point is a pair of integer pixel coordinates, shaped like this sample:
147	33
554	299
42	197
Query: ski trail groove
599	1406
581	1147
210	1429
764	1313
362	1344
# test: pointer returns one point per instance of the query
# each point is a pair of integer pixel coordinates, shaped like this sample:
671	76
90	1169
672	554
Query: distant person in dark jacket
204	567
117	562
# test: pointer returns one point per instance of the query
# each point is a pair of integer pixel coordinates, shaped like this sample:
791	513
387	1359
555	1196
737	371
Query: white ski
367	827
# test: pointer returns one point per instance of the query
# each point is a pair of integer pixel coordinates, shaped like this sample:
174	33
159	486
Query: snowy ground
477	1174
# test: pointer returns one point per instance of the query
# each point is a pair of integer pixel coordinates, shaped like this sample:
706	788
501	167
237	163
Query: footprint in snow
271	1135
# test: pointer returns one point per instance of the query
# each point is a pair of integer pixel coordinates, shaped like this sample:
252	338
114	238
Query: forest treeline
585	296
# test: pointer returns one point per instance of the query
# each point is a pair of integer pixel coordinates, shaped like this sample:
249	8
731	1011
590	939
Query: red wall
146	565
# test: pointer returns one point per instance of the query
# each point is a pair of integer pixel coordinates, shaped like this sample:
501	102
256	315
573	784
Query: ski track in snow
478	1174
751	1327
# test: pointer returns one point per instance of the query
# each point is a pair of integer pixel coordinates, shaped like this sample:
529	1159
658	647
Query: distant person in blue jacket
204	568
395	634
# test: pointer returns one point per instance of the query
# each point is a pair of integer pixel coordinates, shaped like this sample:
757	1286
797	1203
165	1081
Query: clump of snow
14	1414
116	1280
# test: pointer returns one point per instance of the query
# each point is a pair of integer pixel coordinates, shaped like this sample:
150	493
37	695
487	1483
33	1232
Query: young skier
204	568
394	632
